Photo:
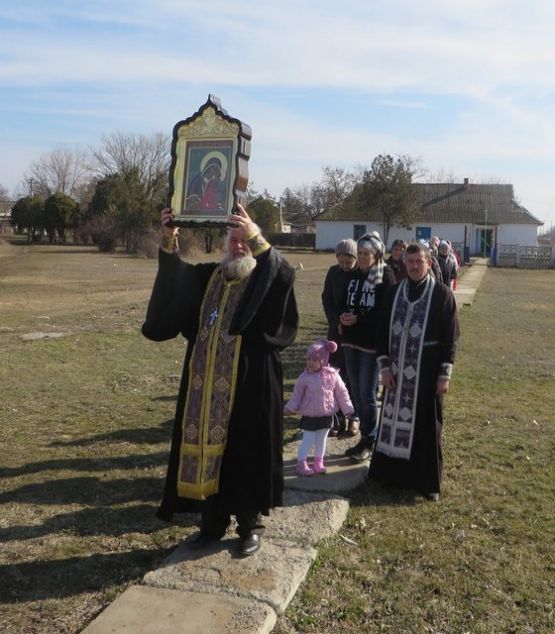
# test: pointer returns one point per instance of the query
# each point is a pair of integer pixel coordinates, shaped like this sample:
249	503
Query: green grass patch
482	560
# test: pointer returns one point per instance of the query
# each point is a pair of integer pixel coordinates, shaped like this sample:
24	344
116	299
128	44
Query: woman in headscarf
364	292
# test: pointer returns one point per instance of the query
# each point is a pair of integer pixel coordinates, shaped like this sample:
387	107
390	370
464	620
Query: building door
484	242
423	233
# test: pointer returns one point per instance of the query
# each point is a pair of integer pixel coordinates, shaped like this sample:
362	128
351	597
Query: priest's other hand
243	222
165	217
442	386
388	379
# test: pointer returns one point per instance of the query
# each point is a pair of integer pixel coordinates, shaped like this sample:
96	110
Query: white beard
238	268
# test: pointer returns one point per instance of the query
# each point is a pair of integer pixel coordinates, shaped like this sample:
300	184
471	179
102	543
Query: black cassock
265	316
421	468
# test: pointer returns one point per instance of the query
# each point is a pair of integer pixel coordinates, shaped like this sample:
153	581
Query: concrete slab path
470	281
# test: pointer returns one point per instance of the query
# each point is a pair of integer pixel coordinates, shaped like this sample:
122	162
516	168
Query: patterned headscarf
372	242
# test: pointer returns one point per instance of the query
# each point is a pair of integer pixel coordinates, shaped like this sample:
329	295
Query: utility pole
484	241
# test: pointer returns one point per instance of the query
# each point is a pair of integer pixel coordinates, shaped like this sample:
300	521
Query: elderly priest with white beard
237	315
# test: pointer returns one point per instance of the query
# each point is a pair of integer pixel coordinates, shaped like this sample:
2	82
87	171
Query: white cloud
470	49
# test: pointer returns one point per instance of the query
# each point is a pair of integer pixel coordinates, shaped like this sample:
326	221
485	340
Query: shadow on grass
104	520
137	436
136	461
374	493
165	398
55	579
86	491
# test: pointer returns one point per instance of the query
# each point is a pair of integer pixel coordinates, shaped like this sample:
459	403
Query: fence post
517	256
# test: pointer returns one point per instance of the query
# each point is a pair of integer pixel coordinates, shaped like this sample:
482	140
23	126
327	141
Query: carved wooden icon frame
209	167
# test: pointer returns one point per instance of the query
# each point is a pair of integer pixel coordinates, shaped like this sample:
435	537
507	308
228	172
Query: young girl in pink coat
318	393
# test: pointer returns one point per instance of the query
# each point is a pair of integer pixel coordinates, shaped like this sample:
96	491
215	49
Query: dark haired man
416	343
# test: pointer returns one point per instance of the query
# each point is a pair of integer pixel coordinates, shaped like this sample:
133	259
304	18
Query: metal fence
525	257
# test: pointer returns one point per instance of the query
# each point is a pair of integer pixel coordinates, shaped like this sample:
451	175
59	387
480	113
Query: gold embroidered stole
211	390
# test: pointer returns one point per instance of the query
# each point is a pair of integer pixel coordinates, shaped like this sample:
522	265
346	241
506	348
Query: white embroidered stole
406	340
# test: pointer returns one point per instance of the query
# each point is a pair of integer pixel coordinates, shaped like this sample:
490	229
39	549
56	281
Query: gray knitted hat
346	247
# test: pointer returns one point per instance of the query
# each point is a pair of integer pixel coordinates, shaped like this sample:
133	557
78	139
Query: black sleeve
278	317
176	297
448	326
327	301
384	317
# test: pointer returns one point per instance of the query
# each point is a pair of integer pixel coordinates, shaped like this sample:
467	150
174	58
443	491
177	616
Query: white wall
523	235
329	233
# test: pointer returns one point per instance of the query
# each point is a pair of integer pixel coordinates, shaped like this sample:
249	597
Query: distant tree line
112	195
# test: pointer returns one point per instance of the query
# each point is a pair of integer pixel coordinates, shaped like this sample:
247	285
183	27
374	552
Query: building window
423	233
359	231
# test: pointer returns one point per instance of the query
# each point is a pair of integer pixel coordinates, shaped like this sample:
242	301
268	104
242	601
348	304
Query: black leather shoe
364	454
362	450
249	545
201	540
354	449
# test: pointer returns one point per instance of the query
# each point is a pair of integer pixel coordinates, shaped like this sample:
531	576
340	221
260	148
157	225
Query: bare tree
441	176
301	204
296	206
4	193
149	157
63	170
331	191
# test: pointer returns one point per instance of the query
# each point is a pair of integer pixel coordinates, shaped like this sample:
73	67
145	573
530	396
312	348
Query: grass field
85	419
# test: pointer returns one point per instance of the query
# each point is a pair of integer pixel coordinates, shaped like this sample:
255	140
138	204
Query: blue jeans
363	373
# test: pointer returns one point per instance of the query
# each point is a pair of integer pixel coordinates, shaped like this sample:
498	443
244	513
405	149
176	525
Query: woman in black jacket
333	299
358	322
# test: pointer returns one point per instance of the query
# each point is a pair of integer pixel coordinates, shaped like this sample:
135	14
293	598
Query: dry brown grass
84	430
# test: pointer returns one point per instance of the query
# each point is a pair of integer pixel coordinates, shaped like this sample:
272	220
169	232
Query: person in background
447	263
333	299
397	260
359	319
434	264
318	394
237	315
416	343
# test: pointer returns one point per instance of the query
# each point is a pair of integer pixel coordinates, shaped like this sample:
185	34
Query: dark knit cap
346	247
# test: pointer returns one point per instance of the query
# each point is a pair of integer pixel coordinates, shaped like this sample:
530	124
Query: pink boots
303	469
318	466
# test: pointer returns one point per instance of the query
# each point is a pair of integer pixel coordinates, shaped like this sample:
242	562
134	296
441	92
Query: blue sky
466	86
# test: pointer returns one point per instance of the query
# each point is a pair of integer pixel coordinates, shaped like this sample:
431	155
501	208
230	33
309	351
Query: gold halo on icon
220	157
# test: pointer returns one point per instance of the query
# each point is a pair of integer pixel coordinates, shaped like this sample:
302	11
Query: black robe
423	470
251	477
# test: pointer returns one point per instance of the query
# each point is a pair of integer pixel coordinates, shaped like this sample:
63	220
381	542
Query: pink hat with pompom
321	350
